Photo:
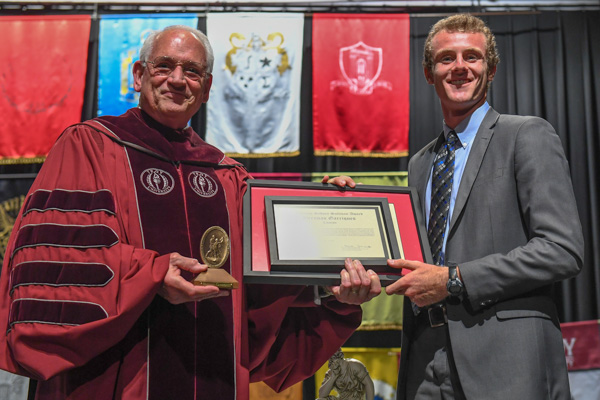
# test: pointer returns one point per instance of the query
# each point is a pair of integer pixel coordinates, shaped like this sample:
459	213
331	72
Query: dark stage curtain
549	67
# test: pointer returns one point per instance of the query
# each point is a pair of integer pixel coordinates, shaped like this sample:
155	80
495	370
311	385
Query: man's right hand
424	285
177	290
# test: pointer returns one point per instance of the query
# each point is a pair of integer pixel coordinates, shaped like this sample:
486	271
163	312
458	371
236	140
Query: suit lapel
422	169
480	145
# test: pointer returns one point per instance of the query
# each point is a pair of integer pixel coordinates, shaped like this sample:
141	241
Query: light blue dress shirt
466	132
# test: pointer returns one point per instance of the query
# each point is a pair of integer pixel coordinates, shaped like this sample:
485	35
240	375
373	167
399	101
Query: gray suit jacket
514	231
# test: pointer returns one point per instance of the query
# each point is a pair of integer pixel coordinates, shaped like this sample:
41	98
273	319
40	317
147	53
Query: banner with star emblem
361	84
121	38
42	80
254	106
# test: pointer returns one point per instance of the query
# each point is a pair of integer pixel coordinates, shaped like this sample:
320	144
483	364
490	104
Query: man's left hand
357	284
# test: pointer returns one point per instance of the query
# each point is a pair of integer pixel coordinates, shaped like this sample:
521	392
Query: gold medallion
214	251
214	247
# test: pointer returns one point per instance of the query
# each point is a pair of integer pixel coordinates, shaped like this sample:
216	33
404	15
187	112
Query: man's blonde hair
462	23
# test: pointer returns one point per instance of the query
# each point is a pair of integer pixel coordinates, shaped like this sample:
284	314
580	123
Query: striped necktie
441	188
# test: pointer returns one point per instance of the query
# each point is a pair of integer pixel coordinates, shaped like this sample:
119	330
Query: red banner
42	80
361	84
581	341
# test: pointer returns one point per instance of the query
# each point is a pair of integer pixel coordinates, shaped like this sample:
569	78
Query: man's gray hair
148	45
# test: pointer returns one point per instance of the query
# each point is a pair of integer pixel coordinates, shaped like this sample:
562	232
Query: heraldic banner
42	80
379	362
361	84
121	38
254	105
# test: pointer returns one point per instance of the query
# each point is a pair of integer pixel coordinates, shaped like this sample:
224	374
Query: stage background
550	67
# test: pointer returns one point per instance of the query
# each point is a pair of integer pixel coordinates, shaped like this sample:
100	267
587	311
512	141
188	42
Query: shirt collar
467	129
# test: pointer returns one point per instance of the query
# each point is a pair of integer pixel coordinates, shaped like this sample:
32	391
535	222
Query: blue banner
121	37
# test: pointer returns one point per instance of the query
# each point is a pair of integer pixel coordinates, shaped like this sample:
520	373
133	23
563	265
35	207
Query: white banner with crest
254	106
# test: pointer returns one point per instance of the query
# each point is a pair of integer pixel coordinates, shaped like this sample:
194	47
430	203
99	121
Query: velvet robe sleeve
75	276
290	336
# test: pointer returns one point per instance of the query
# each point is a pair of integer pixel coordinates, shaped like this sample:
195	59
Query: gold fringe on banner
16	161
263	155
380	327
355	153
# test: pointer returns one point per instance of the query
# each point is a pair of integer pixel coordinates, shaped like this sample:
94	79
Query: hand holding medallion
176	289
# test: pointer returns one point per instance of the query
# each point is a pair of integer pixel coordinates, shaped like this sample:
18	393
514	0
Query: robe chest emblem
157	181
203	184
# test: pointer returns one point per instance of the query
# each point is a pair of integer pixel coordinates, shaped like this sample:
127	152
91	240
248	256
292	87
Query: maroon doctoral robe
89	252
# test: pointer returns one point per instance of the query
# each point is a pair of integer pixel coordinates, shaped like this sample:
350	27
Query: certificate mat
328	232
406	233
316	234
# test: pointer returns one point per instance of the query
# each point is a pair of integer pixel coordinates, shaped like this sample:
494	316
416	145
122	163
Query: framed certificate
315	233
301	232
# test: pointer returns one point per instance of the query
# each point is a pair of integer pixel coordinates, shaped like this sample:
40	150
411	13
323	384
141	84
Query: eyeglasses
164	66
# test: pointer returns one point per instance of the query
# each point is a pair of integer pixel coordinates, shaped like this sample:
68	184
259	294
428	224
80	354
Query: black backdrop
549	67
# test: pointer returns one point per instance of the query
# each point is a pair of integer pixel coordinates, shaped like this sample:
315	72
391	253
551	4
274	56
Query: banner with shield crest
361	85
254	105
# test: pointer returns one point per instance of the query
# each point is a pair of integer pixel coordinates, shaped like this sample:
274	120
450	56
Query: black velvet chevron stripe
54	312
77	236
69	200
56	273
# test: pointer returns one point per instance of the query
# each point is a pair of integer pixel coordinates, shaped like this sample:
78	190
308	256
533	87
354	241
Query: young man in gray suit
481	324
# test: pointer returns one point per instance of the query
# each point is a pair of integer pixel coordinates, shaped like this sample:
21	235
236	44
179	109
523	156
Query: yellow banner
381	364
